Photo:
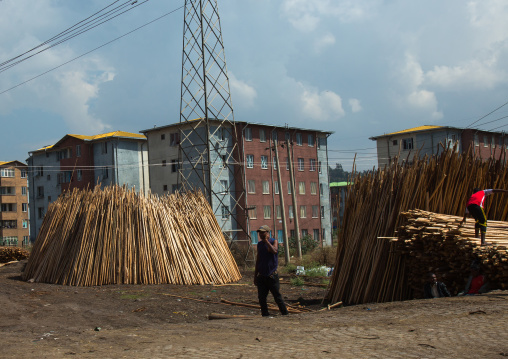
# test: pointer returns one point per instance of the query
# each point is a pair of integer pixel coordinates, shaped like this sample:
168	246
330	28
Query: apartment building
430	140
253	168
78	161
14	226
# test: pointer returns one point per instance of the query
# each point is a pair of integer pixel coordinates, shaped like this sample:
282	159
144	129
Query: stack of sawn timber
114	235
436	243
368	268
8	254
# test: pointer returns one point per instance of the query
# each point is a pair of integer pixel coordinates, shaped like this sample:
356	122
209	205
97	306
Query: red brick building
14	228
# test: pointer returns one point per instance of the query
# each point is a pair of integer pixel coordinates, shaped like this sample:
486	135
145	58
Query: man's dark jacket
441	289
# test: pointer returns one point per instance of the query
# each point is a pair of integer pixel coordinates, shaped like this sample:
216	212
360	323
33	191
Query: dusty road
47	321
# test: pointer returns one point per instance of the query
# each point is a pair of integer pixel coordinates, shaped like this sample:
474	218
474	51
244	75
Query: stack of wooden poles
114	235
368	267
437	243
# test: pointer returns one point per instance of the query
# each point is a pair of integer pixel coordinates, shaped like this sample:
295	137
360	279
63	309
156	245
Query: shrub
307	242
297	282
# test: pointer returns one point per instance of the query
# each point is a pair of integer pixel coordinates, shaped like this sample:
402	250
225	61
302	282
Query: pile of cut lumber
9	254
433	242
368	268
114	235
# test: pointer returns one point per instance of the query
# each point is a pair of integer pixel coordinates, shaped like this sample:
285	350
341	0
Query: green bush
297	282
307	242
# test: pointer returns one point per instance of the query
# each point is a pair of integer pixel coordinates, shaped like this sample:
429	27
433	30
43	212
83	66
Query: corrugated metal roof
339	184
409	130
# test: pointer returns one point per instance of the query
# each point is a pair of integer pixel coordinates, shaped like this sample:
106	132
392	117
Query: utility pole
282	208
293	195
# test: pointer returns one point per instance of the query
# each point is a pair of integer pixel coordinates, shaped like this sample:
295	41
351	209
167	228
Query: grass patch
297	282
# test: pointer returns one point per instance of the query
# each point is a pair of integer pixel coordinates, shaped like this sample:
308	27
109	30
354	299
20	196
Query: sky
359	68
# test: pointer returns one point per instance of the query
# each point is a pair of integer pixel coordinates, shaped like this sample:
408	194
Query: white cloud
489	17
320	106
355	105
324	41
305	15
243	94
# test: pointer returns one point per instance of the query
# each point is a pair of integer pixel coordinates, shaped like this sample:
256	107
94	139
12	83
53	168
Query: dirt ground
166	321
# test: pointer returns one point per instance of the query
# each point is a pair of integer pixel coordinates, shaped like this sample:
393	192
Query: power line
491	112
88	52
72	32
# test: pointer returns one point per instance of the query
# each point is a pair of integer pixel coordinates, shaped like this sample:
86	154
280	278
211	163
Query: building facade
14	226
78	161
254	169
431	140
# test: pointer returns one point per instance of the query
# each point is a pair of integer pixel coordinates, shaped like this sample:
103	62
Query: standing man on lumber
266	277
474	206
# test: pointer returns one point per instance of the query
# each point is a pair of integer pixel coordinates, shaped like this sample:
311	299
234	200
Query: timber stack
116	236
368	266
433	242
9	254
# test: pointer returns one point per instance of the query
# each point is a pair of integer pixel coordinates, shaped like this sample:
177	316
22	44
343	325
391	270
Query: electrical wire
88	52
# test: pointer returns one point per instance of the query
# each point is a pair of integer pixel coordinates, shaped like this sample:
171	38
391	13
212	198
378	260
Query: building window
407	144
174	139
267	212
224	186
305	233
23	173
299	140
9	224
251	186
224	161
485	141
274	164
24	207
291	213
8	207
321	142
7	172
40	212
322	211
301	187
287	164
248	134
253	214
274	135
287	136
316	234
313	188
104	147
24	223
48	177
49	199
323	234
266	187
39	171
492	141
289	187
262	135
315	211
40	192
24	190
319	166
303	211
222	134
278	212
310	140
476	140
79	175
174	166
312	163
250	161
78	150
225	212
163	163
163	137
321	189
165	187
7	190
301	164
105	172
276	187
292	233
264	162
394	143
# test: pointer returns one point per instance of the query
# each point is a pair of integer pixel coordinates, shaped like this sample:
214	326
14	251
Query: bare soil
41	320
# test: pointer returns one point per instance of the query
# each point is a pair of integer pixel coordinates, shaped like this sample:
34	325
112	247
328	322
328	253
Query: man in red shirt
474	206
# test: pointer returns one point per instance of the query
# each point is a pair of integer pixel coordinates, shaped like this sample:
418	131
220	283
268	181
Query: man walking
474	206
266	277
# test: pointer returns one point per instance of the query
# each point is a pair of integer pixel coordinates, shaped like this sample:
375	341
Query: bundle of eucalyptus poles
117	236
369	267
441	244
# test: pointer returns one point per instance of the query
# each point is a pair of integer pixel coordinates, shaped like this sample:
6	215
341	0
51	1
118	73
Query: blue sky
359	68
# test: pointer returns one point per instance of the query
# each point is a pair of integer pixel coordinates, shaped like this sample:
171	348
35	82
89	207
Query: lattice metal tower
211	157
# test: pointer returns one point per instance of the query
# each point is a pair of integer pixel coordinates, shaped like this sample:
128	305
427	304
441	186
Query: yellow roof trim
109	134
414	129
